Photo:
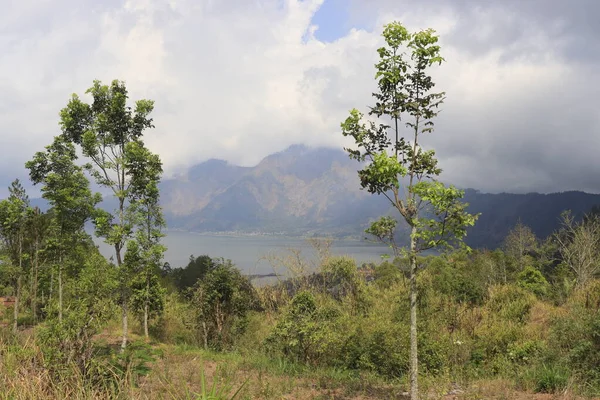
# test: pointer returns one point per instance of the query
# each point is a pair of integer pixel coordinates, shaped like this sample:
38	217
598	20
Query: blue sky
333	20
240	79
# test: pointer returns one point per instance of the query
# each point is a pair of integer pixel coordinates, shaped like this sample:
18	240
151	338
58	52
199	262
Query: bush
576	337
222	300
306	332
510	302
177	324
533	281
387	275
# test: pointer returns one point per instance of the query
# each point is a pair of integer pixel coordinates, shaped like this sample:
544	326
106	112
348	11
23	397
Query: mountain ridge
305	191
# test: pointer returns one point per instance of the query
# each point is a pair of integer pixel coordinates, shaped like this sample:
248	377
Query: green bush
306	332
387	275
510	302
177	324
222	301
533	281
576	338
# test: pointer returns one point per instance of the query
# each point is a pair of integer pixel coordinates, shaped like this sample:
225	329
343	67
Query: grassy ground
180	372
184	372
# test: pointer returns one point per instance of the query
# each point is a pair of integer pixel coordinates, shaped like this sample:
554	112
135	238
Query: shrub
533	281
306	332
576	337
177	324
222	300
510	302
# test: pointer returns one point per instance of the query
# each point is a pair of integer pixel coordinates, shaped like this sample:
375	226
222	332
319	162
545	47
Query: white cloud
240	79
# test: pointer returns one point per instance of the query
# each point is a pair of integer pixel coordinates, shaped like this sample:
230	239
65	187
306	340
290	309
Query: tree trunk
147	307
146	321
16	309
124	321
414	358
18	291
35	283
51	285
60	290
205	335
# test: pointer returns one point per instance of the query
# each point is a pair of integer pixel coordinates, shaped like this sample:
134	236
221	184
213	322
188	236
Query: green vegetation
402	170
492	324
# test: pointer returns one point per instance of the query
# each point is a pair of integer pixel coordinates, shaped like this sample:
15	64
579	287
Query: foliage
68	342
109	134
575	334
197	267
222	300
532	280
579	246
403	170
304	331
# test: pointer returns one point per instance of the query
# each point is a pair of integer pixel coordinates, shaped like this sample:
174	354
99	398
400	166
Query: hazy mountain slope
541	212
316	190
305	190
295	191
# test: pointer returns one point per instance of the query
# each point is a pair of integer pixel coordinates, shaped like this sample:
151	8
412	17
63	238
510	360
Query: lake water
246	251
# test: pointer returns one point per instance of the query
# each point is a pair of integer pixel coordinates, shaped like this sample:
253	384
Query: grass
187	372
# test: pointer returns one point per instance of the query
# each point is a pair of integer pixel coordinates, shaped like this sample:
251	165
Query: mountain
300	190
304	190
541	212
316	191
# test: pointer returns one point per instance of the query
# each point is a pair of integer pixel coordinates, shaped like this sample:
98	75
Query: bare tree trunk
414	358
146	334
51	285
147	307
205	335
35	283
60	289
125	326
18	291
16	309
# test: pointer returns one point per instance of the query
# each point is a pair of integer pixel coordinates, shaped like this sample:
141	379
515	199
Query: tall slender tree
13	220
106	131
519	242
147	251
402	170
68	191
38	230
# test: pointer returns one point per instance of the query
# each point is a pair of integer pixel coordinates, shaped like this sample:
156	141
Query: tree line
48	255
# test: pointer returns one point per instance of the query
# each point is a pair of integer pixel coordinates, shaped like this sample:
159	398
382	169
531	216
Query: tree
69	342
579	246
221	299
519	243
38	231
197	267
146	250
402	170
13	218
107	131
68	191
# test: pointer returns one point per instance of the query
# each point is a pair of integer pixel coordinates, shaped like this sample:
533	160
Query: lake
246	251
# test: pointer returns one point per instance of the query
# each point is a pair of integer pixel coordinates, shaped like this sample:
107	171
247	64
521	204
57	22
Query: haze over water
246	251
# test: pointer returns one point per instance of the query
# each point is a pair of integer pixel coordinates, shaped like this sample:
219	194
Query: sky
240	79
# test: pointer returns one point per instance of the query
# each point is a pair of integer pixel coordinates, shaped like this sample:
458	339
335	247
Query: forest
518	321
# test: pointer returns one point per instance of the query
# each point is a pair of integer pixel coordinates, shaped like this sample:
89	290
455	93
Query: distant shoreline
282	235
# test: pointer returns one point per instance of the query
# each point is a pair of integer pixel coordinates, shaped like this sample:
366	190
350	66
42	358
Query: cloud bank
240	79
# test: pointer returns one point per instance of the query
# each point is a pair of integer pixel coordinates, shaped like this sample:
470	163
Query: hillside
316	191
